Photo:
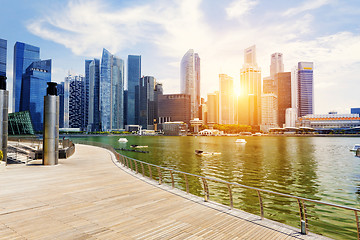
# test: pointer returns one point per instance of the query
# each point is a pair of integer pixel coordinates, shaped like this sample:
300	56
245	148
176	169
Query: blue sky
326	32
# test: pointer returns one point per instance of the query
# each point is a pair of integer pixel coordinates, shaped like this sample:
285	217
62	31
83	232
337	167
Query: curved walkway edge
87	197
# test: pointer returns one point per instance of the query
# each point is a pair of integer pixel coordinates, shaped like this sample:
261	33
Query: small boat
356	147
137	146
124	140
257	134
202	153
240	140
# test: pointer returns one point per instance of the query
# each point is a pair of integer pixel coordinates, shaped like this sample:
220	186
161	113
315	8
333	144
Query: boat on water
356	147
202	153
124	140
240	140
138	146
257	134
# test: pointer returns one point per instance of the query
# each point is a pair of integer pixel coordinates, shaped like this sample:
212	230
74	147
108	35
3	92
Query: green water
320	168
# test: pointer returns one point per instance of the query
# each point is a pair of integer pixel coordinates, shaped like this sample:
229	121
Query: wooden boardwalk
88	197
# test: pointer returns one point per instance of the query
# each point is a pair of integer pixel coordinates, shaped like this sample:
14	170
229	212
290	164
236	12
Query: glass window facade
147	102
94	96
24	55
134	75
34	85
20	124
305	88
76	106
3	51
60	91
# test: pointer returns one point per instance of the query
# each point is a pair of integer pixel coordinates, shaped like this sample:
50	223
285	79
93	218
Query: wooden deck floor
88	197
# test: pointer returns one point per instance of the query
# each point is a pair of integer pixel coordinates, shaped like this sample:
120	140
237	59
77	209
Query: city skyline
316	31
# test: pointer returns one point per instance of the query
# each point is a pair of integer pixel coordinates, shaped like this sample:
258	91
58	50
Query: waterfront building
332	121
94	96
33	90
24	55
190	80
3	54
249	104
147	115
75	101
212	105
111	92
283	82
269	111
174	107
226	100
60	92
305	83
175	128
133	76
355	110
291	117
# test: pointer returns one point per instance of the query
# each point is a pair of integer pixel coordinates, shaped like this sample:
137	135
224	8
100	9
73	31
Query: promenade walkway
88	197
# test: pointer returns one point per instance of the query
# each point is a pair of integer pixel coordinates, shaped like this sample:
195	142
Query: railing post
127	162
302	217
160	177
136	167
206	190
186	183
172	179
305	217
261	204
142	168
150	171
357	224
230	196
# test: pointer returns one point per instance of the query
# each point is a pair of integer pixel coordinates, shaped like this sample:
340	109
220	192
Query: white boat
240	140
123	140
137	146
202	153
257	134
356	147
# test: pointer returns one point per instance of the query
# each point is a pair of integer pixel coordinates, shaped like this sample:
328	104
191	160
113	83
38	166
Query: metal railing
303	203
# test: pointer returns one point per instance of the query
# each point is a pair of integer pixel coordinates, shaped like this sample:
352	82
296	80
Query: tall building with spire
190	80
249	105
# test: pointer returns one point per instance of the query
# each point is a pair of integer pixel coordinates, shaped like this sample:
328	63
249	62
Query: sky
326	32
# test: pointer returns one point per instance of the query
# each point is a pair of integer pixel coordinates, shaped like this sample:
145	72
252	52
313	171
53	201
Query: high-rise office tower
33	90
305	88
111	92
249	104
3	54
147	114
86	94
269	111
174	107
94	96
24	55
294	88
133	76
283	80
190	80
226	100
277	64
60	92
75	101
212	108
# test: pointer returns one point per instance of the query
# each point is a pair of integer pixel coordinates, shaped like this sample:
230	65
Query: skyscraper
94	96
60	92
249	106
190	80
3	53
75	101
24	55
86	93
212	108
305	88
147	102
133	75
33	90
269	111
226	100
277	64
283	80
111	92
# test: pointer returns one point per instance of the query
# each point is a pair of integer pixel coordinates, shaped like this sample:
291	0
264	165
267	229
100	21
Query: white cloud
306	6
238	8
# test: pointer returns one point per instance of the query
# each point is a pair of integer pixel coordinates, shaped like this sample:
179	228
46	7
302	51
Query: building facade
190	80
133	76
94	96
76	104
330	121
355	110
305	88
34	85
147	115
249	104
3	55
111	92
269	113
60	92
174	107
283	80
212	108
277	64
24	55
226	100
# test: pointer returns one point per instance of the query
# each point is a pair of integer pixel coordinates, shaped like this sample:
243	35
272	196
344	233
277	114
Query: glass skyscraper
226	100
190	80
86	93
3	51
94	96
305	88
60	92
134	75
34	84
147	102
75	85
111	92
24	55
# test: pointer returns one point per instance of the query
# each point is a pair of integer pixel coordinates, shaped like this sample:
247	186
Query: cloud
306	6
239	8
